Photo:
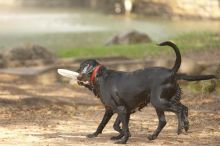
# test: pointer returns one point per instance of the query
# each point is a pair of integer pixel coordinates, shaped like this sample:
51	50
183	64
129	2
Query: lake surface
71	28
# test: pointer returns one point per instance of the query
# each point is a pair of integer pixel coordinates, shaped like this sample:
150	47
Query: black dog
124	92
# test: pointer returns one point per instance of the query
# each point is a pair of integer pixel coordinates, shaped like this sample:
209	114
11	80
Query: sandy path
49	115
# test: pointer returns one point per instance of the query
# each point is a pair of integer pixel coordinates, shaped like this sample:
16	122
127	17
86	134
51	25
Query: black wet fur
125	92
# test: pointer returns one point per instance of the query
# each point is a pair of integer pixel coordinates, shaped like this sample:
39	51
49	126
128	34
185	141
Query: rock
129	37
30	55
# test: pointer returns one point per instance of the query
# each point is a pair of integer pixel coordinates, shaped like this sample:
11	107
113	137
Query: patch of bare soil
59	114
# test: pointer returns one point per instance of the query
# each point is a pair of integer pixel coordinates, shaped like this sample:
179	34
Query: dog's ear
101	71
95	62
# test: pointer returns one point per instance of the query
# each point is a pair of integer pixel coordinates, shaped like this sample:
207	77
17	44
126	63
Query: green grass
186	42
205	87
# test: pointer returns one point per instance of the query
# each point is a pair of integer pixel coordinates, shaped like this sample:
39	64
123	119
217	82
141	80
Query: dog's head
86	69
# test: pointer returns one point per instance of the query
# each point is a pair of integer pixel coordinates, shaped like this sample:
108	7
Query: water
69	28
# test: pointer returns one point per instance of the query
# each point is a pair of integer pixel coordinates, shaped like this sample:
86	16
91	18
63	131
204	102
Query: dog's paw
179	131
120	142
151	136
123	140
186	125
117	137
92	135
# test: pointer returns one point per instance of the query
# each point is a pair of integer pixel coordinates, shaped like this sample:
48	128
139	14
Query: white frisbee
68	73
71	74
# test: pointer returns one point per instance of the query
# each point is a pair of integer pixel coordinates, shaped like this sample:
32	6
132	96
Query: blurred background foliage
80	28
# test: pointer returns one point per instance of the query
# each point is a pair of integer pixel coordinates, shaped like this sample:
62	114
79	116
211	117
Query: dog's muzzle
79	77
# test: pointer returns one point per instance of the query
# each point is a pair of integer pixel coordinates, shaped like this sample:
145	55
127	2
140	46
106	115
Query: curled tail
178	55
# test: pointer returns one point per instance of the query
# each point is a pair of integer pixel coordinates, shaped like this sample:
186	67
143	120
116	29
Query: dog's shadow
80	137
136	139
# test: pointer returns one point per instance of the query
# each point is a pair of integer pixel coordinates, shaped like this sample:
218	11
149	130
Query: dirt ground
61	114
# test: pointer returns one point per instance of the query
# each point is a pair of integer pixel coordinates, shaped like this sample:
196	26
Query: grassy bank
186	42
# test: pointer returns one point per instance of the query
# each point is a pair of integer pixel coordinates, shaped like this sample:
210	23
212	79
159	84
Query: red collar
94	73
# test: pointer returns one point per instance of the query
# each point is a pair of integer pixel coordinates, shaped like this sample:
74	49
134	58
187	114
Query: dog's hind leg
182	115
124	116
185	117
161	124
163	104
107	116
180	122
183	122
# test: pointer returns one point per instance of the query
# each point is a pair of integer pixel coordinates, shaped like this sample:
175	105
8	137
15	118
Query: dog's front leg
107	116
124	116
117	128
